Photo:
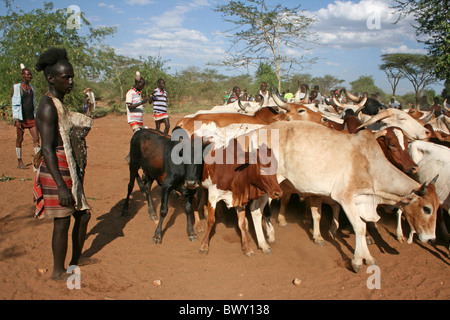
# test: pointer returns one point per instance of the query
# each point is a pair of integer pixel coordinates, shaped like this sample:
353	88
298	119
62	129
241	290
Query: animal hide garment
73	128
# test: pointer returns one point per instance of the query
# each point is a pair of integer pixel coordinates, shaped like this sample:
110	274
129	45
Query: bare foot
60	276
22	166
87	261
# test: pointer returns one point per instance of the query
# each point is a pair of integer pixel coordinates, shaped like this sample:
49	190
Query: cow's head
271	114
416	114
188	152
420	209
395	147
261	166
398	118
297	110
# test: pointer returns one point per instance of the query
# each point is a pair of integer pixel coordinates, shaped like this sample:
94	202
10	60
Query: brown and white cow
238	177
363	179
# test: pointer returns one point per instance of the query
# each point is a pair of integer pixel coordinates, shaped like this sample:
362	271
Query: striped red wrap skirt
46	191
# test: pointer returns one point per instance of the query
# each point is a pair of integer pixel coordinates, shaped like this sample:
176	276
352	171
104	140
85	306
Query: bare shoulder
46	108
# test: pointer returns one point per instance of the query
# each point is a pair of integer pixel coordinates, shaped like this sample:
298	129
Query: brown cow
246	178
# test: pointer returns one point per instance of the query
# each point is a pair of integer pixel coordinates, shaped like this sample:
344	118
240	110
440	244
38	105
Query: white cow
353	171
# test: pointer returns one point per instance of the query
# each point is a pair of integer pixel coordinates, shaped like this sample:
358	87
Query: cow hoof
356	266
370	240
249	253
153	216
371	262
156	240
204	250
283	224
192	238
267	251
320	243
401	239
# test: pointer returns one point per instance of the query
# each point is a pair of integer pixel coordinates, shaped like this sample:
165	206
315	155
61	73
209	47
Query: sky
351	35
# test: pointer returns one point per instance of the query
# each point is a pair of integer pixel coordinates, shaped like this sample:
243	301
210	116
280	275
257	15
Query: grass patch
6	178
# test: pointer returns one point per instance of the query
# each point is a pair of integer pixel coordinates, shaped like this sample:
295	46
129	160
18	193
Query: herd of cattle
349	156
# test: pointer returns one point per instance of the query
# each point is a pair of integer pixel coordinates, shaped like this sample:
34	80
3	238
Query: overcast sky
352	35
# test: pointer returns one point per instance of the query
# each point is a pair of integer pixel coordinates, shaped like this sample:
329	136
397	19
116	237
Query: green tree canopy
365	84
417	68
432	29
25	35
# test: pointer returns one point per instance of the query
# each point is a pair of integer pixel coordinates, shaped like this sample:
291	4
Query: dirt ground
132	267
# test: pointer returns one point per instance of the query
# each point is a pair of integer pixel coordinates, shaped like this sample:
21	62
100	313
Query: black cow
159	156
371	107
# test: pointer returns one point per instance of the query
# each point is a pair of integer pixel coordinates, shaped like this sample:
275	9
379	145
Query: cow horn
422	191
447	109
434	179
278	99
378	117
380	133
306	97
336	102
351	96
428	117
363	101
359	110
297	94
240	105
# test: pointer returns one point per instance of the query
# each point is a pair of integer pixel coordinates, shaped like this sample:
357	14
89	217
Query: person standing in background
134	101
89	102
160	100
24	113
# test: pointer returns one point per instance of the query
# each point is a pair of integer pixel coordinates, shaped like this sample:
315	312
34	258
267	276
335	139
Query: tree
264	33
393	73
327	82
433	29
24	35
265	73
365	84
417	68
120	70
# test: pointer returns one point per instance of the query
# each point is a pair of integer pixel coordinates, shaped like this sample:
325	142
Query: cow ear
380	133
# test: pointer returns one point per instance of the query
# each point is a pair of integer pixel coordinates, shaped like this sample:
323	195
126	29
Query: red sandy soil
130	264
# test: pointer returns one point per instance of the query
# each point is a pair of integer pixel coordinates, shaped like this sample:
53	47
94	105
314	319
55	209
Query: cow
363	179
432	160
153	151
263	116
395	148
239	176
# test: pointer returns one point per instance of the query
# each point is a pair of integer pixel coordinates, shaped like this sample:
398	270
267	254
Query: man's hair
50	58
